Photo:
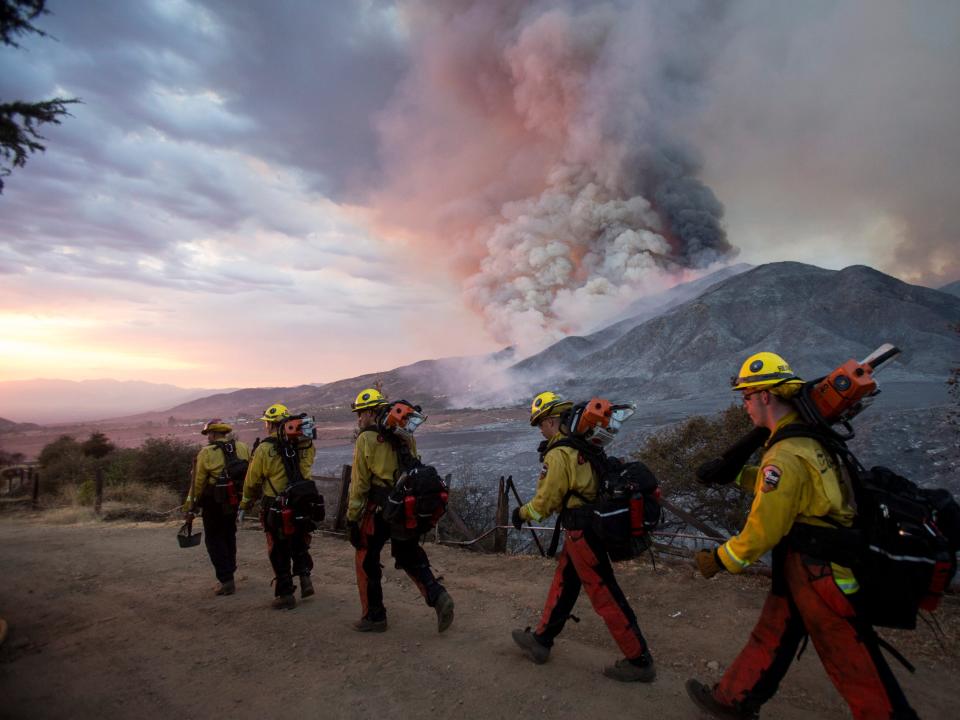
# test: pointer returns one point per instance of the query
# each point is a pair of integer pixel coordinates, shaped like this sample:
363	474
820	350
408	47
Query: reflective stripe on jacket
375	463
797	481
564	469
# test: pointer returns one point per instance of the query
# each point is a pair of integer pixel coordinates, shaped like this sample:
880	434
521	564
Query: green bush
86	493
62	462
121	467
159	461
165	461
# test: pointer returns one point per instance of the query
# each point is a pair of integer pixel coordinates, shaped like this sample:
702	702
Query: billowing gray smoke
541	148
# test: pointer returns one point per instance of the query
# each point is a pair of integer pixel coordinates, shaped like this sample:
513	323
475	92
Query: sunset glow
253	197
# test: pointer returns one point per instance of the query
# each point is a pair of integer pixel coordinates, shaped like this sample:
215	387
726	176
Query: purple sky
273	193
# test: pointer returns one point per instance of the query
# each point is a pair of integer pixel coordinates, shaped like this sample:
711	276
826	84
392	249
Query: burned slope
816	318
575	347
427	381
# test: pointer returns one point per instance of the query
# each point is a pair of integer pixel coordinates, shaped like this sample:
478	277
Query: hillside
816	318
7	426
142	637
952	288
50	401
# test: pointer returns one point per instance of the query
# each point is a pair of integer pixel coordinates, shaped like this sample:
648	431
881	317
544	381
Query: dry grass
153	497
69	515
124	500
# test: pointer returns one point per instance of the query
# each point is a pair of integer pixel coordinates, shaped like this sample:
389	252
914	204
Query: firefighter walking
274	461
376	464
568	480
217	495
797	485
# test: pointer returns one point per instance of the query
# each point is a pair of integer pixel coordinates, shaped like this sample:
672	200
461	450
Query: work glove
516	519
708	563
353	533
241	514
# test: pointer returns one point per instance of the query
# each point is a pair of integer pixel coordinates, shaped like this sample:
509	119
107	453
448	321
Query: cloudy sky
258	193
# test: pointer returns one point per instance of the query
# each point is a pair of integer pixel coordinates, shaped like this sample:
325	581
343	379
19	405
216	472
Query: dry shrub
154	497
73	503
674	454
473	500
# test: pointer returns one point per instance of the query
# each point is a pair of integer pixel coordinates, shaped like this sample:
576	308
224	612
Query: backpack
299	506
419	496
903	544
626	509
229	486
416	503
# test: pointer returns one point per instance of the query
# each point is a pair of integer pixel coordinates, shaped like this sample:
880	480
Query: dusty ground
112	620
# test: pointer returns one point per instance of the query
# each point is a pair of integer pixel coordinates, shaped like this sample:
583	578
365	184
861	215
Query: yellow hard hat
764	370
368	399
276	413
547	404
216	426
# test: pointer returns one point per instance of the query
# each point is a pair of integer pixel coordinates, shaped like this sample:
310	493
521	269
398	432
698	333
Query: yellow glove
707	563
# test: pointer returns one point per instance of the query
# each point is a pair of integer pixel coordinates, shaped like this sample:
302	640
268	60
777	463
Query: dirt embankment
116	621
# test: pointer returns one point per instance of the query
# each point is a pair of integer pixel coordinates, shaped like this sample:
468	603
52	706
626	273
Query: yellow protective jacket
564	469
797	481
375	464
208	466
266	473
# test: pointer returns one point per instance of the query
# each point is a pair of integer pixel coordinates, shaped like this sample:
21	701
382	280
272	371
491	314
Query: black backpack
299	506
903	545
416	503
419	496
626	509
229	485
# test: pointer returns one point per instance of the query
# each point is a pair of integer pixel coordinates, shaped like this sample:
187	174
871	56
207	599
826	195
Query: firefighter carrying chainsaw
394	497
837	570
573	482
290	507
220	468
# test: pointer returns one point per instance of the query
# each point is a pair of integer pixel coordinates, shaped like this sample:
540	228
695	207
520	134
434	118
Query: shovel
185	535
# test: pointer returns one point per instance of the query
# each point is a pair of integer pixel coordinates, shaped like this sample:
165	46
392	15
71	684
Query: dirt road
116	621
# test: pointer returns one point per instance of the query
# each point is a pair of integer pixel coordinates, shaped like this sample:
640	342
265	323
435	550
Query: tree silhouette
20	121
97	446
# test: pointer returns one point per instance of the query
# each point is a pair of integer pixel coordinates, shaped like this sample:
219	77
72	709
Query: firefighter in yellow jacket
583	562
218	495
289	552
796	486
376	460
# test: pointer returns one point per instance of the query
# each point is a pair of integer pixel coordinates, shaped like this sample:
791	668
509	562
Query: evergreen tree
97	446
20	121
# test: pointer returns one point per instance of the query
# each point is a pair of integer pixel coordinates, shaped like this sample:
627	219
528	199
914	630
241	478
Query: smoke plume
539	148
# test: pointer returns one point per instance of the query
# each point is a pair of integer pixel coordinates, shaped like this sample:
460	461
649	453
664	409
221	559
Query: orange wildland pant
848	647
584	562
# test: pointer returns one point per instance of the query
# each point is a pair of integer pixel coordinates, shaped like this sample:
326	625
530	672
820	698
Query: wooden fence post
36	487
98	500
500	536
340	521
